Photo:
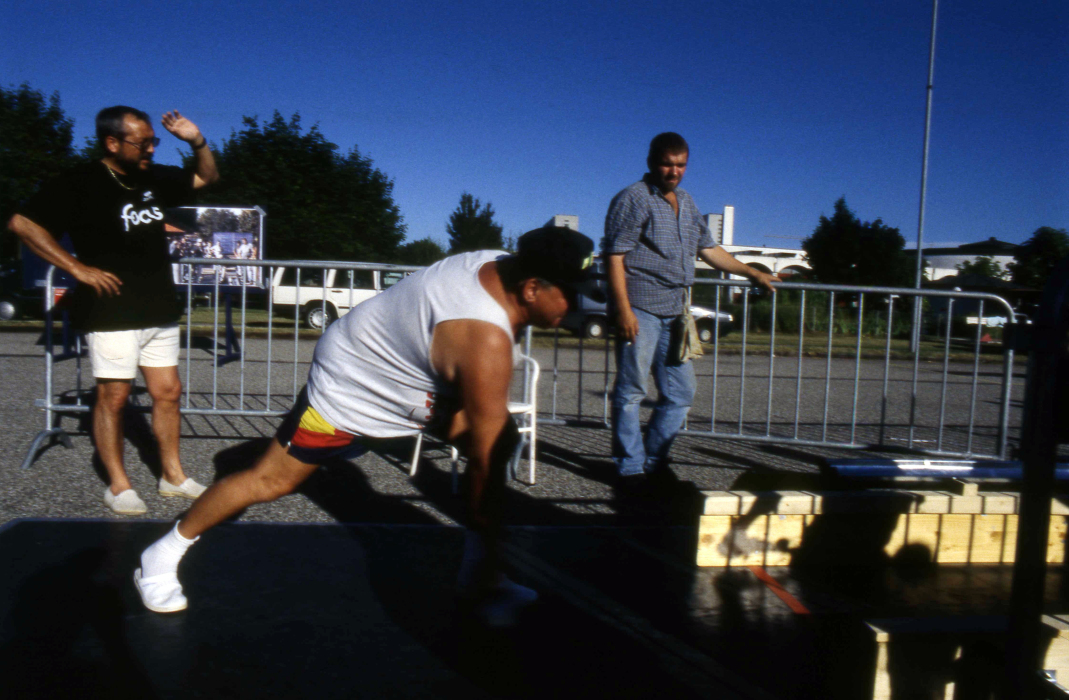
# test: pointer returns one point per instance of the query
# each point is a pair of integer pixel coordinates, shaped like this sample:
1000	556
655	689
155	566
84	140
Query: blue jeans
676	385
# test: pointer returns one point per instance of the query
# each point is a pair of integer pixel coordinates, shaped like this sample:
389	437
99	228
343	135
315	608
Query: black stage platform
344	611
320	611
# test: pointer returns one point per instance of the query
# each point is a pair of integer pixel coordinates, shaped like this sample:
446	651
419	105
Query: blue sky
546	108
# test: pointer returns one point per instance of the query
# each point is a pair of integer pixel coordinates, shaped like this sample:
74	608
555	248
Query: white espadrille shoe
126	503
162	593
187	489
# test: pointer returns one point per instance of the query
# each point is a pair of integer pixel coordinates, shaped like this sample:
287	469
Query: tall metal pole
916	337
1041	430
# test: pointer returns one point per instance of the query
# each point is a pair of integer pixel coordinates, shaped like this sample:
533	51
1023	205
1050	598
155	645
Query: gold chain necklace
115	177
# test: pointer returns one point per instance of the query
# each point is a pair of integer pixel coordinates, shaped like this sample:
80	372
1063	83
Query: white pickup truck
321	304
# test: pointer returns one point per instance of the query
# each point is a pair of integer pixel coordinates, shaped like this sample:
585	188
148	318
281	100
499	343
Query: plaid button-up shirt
658	248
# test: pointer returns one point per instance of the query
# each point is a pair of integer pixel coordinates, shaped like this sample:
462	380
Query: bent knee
270	487
506	442
170	391
276	475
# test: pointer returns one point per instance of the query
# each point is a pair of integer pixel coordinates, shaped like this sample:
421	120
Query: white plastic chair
526	413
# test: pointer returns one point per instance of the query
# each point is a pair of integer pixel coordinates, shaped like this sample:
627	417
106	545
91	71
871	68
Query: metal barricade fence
833	368
223	390
332	300
842	391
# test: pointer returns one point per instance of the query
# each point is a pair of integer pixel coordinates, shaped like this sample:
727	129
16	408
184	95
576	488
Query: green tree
1038	256
984	265
35	145
472	227
425	251
845	250
320	204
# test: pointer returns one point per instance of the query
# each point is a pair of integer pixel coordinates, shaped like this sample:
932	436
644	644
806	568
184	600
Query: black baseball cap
561	256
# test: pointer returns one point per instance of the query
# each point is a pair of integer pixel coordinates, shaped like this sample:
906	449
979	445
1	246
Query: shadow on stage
363	608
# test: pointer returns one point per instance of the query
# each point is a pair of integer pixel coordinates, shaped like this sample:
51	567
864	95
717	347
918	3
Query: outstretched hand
181	127
765	279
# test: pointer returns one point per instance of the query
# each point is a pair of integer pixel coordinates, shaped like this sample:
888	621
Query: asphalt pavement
574	479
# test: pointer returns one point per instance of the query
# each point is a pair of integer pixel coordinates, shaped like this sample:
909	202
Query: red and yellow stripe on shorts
315	433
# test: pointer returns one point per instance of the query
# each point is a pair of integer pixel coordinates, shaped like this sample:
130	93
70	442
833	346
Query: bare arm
476	357
725	261
44	244
204	171
626	323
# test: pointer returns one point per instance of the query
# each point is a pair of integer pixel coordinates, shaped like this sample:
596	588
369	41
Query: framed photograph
228	234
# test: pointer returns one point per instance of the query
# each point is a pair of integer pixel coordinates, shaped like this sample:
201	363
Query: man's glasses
144	145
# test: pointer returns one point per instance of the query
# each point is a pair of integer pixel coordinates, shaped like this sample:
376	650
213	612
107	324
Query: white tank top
371	373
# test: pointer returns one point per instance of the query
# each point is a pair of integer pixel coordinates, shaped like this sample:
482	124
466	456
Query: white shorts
118	354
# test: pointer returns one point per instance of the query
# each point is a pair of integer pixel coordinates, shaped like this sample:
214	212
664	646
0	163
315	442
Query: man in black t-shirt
125	299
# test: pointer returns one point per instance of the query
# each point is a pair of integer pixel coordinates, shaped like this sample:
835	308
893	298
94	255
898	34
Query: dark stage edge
348	611
323	611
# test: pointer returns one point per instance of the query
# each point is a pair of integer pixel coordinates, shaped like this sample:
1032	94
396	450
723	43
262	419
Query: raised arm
44	244
204	171
726	262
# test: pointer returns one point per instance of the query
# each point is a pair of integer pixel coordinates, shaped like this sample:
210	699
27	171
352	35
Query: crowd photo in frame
227	234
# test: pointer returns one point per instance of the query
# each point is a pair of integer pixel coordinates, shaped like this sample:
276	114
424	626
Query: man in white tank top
434	352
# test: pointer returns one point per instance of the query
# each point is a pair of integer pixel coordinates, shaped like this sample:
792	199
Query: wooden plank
950	538
868	501
1059	529
1056	658
881	689
767	541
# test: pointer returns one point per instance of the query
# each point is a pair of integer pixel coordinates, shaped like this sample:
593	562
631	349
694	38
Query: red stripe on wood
793	603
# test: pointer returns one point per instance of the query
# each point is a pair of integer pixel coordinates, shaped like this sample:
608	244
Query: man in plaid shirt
653	232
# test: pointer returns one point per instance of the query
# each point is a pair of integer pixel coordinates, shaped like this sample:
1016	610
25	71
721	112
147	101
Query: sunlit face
136	147
548	305
667	171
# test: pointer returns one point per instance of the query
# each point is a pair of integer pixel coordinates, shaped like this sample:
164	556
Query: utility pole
915	338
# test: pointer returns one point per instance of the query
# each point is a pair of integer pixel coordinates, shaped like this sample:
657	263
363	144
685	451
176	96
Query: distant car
590	319
344	290
707	321
17	300
10	302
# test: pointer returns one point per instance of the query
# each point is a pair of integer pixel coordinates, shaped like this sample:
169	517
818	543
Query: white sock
162	556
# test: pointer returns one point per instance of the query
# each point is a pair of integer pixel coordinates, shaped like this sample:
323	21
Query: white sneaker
126	503
162	594
187	489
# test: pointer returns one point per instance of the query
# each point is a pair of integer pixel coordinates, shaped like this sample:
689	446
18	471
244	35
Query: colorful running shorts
312	440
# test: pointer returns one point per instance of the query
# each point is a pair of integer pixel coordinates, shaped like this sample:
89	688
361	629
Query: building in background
565	221
781	261
943	262
722	226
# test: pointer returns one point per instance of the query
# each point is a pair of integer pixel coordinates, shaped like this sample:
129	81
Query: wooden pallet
958	635
740	528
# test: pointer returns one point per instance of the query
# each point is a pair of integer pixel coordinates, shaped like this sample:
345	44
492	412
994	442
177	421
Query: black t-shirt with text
116	224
